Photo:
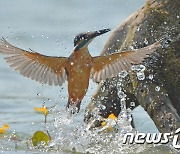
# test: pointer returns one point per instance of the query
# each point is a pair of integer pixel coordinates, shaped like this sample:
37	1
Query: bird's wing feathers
111	65
33	65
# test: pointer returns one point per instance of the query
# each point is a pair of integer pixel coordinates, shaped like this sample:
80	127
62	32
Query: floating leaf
105	122
112	116
40	138
42	110
4	128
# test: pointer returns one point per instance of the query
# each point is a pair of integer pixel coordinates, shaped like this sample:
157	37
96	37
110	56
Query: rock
159	92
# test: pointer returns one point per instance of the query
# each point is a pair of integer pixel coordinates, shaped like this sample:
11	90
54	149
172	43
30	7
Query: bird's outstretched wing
33	65
111	65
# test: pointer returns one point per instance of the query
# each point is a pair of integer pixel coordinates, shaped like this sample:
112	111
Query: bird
77	69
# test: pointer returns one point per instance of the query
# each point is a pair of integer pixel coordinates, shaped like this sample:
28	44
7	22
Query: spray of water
70	134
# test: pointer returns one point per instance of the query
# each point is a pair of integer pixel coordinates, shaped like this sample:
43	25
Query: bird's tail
74	109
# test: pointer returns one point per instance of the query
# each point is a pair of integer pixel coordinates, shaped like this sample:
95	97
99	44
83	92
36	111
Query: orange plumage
77	69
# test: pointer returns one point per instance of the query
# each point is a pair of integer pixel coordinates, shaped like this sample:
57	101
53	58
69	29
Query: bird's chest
80	62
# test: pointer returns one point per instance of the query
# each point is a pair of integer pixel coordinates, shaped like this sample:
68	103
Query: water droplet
133	68
118	85
140	68
121	94
103	88
146	41
49	99
140	76
150	76
103	107
157	88
132	104
102	97
42	143
123	74
131	47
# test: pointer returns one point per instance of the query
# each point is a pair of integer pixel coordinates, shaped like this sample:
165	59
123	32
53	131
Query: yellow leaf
103	123
4	128
112	116
40	137
110	128
42	110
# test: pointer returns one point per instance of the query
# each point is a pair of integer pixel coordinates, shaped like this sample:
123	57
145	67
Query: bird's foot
73	110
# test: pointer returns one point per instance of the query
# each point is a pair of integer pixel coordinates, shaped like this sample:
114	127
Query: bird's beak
99	32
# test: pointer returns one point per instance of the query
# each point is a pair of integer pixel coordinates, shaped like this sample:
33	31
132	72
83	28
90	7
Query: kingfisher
77	69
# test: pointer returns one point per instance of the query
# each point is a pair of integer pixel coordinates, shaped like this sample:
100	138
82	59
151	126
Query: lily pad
40	138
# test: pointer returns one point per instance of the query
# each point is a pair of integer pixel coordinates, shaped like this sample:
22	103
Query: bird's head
83	39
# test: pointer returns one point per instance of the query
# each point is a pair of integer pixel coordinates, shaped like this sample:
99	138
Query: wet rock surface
158	91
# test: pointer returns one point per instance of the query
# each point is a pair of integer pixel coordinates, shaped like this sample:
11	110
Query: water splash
75	137
70	134
132	104
123	74
140	75
139	71
150	76
157	88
